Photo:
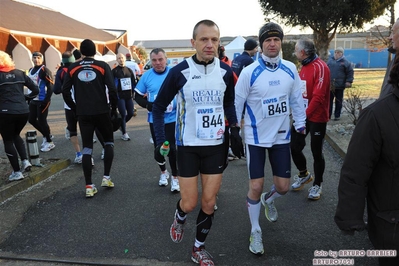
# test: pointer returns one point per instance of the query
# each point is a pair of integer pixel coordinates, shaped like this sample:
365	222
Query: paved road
129	225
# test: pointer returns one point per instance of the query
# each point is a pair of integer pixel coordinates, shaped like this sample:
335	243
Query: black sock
303	173
204	223
180	212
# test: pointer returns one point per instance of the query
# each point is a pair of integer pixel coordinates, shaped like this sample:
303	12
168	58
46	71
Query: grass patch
369	82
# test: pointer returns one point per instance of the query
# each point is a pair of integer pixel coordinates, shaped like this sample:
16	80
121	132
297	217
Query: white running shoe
174	185
15	176
151	141
78	158
300	181
26	165
314	192
270	210
125	137
48	146
163	179
255	243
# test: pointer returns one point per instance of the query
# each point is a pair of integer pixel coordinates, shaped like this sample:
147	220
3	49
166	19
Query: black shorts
192	160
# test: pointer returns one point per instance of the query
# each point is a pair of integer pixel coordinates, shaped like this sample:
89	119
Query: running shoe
151	141
255	243
125	137
78	158
26	165
301	181
163	179
67	133
90	191
15	176
134	112
176	230
270	210
314	192
92	162
48	146
231	156
107	182
174	185
201	256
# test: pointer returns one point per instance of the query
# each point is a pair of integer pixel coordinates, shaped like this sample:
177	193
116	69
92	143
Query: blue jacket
341	71
240	62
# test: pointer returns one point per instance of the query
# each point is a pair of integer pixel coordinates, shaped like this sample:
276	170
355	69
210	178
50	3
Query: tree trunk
321	42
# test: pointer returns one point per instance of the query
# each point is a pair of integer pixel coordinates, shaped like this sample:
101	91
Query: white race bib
210	122
275	106
126	84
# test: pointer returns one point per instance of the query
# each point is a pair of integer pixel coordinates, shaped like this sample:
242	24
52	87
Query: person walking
369	175
315	76
245	59
71	130
133	66
39	106
125	82
205	94
91	79
341	75
267	125
14	113
146	92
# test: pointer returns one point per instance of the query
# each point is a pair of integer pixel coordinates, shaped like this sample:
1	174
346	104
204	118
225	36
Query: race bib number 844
210	122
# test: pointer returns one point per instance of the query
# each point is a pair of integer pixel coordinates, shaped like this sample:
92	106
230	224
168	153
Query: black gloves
158	156
236	142
149	106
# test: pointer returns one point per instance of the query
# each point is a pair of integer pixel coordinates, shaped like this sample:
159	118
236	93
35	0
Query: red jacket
317	77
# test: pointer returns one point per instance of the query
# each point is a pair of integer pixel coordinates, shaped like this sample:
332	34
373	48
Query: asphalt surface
52	223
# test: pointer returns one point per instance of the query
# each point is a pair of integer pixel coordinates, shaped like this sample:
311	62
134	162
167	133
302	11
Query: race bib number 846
276	106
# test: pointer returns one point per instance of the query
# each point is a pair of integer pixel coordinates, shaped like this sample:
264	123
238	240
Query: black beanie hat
88	48
250	45
77	54
67	57
270	29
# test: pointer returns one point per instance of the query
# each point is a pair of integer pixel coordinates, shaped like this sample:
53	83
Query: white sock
254	212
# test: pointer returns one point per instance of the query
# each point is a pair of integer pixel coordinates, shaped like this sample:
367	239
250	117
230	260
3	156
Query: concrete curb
35	176
335	146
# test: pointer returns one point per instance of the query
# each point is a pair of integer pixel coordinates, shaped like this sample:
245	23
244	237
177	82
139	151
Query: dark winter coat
371	172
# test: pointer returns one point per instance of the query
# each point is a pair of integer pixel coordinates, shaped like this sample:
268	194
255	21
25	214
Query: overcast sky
166	20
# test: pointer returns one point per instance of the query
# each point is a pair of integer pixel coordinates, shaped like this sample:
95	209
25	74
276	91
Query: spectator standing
267	125
133	66
125	82
245	59
341	74
14	113
315	77
147	90
369	174
205	94
91	79
39	106
222	55
71	130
